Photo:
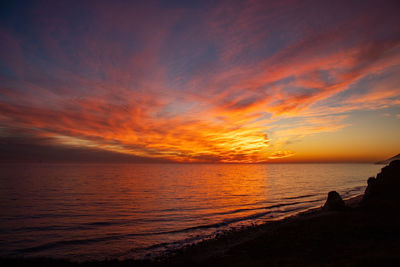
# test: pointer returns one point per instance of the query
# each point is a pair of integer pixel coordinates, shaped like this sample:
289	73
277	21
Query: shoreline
351	202
155	256
358	237
206	250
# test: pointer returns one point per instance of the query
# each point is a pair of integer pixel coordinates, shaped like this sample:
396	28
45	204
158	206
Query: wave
298	197
225	222
90	225
263	207
68	242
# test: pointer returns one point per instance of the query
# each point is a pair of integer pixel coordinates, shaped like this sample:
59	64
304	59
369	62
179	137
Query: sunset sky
200	81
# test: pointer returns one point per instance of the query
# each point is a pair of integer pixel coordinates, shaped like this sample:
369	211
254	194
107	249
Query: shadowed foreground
365	233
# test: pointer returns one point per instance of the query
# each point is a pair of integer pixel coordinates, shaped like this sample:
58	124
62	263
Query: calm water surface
96	211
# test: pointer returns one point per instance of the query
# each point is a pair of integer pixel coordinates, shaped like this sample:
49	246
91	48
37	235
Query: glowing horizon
237	81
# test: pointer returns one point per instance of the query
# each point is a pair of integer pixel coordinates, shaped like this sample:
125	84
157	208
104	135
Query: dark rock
370	191
334	202
386	185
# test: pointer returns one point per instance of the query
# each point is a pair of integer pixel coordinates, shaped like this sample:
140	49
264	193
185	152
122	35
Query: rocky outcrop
386	185
334	202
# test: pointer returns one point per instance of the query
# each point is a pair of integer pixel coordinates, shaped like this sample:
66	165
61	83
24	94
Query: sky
200	81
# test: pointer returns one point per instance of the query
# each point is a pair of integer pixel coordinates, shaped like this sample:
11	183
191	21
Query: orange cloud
281	154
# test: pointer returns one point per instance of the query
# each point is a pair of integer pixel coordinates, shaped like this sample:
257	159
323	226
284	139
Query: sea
122	211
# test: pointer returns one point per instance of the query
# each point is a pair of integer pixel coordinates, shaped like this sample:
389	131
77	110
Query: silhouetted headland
362	231
387	161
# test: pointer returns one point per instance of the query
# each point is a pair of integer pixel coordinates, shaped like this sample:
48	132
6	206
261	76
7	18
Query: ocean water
98	211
